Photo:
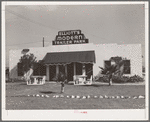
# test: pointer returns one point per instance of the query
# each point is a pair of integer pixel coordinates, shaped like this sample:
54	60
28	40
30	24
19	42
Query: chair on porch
79	80
89	81
37	80
43	80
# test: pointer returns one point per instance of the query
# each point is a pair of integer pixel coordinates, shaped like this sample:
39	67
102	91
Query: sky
26	25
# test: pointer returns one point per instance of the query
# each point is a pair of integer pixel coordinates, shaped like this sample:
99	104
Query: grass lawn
16	96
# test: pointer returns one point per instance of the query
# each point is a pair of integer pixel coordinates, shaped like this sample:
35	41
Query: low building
72	54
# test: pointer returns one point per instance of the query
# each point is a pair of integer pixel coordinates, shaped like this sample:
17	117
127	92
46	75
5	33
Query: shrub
136	78
122	79
115	79
104	79
60	77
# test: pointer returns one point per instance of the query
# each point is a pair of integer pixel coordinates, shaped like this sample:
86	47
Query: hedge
122	79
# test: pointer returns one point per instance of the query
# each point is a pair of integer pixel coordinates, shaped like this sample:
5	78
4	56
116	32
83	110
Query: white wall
135	54
14	56
102	52
131	52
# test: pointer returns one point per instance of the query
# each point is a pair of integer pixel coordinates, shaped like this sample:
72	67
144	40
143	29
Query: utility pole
43	41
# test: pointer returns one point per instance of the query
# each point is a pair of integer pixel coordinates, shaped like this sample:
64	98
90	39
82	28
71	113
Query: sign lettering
70	42
70	37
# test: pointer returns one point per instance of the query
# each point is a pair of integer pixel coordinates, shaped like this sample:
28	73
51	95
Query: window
39	69
61	68
78	68
36	69
42	70
107	64
20	69
127	67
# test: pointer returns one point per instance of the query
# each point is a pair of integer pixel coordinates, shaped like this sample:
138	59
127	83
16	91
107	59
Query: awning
68	57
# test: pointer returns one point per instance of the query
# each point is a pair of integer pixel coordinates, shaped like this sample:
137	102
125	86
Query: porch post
66	69
66	72
83	69
39	68
74	67
57	69
47	72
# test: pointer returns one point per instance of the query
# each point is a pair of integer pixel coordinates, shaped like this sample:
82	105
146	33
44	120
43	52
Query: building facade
76	57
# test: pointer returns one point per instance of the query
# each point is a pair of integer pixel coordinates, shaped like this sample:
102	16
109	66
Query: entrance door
89	70
52	72
62	69
70	72
78	68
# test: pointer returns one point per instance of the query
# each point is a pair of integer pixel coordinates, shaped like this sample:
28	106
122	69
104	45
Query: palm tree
61	77
114	69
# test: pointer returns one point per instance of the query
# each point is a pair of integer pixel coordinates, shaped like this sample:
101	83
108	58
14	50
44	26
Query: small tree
116	68
62	78
27	61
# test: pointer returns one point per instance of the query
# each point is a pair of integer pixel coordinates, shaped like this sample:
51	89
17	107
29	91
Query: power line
27	19
27	43
35	22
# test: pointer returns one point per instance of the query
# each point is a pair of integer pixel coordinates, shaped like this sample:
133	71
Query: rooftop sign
70	37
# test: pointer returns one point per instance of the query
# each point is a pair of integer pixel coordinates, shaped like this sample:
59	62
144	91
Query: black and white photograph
75	60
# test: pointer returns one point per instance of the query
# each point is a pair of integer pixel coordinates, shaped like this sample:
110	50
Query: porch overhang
68	57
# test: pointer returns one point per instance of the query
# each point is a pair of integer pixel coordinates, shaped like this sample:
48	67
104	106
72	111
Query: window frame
107	60
125	73
127	66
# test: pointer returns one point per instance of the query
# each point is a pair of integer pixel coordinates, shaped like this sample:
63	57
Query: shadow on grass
47	92
69	83
22	84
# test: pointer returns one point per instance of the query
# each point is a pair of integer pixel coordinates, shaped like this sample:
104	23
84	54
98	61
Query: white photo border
101	114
